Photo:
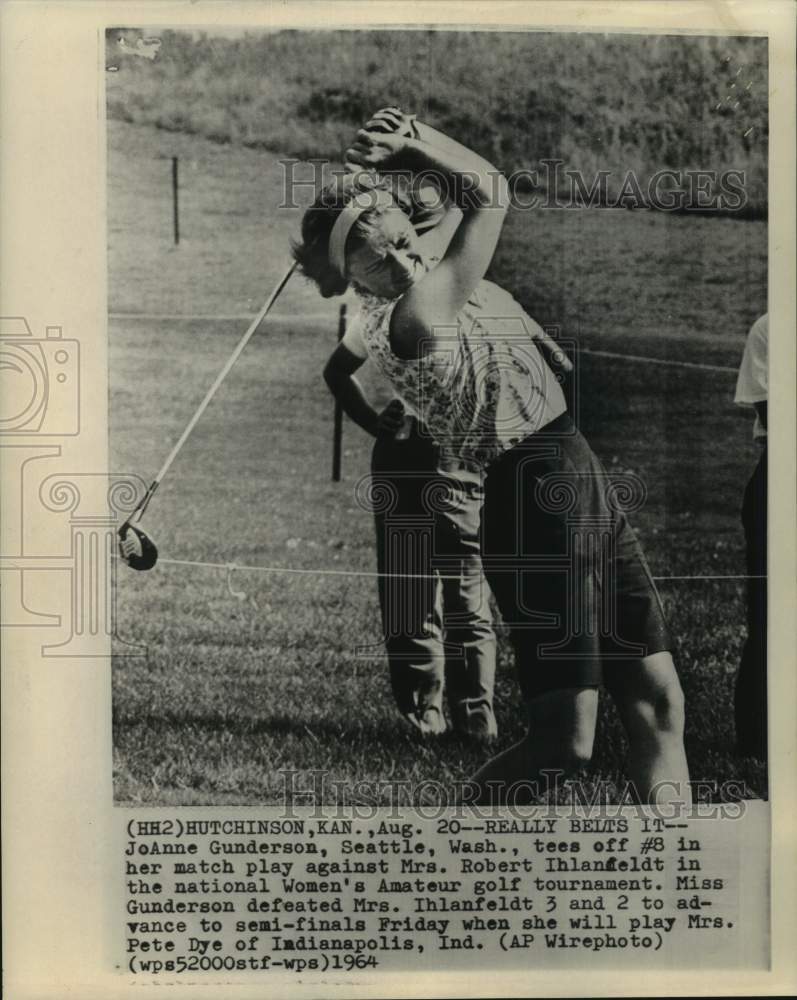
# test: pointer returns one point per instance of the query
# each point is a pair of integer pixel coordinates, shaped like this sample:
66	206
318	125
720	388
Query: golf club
136	547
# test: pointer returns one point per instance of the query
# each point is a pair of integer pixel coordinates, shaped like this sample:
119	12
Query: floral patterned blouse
481	386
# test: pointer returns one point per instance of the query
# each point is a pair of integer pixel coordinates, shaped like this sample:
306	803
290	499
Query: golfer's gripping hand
391	120
366	152
372	150
389	421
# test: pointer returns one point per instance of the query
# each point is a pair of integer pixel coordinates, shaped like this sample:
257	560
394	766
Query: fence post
175	201
337	433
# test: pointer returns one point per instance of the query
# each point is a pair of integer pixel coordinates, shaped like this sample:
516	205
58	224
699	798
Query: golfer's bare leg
651	706
560	738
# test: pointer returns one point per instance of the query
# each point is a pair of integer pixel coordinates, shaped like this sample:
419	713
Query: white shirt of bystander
752	384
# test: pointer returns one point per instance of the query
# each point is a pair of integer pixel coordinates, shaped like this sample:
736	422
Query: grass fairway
236	688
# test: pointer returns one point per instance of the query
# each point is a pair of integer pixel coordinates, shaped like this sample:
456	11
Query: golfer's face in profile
389	261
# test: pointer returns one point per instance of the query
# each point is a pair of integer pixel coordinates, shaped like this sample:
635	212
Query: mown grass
616	102
235	689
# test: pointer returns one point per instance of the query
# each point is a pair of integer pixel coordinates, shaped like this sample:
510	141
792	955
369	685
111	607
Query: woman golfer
434	601
565	567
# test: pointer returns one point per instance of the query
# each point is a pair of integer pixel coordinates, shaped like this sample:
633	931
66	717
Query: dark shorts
565	566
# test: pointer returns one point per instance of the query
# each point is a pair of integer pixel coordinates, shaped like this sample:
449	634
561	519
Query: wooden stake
175	202
337	432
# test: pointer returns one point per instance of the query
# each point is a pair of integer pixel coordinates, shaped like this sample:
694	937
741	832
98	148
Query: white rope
314	317
230	567
658	361
730	576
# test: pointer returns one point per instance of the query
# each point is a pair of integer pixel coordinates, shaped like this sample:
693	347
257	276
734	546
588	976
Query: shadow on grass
319	730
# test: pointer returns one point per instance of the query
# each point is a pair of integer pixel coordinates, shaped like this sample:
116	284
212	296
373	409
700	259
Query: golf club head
136	548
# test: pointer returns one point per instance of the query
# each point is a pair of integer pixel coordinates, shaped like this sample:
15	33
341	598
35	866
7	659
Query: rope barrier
314	317
659	361
319	571
232	567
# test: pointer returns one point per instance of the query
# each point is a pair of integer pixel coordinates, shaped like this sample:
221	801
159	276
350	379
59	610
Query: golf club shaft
213	389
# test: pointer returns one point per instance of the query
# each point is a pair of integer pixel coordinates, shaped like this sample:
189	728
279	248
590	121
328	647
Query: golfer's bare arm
435	242
339	377
444	143
482	196
479	191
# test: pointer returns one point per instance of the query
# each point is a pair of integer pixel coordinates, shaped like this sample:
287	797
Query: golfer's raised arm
478	189
396	121
481	192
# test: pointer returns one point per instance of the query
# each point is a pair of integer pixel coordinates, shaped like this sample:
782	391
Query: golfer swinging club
434	601
460	352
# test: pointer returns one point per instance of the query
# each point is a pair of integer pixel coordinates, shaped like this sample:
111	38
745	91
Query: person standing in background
433	596
434	599
750	696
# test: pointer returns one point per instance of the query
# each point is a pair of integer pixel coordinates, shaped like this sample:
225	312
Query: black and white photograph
397	593
536	545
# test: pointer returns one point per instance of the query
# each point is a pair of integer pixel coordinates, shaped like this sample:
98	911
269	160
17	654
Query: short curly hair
312	252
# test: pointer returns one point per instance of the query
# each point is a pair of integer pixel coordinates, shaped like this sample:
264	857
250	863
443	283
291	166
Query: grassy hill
596	101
